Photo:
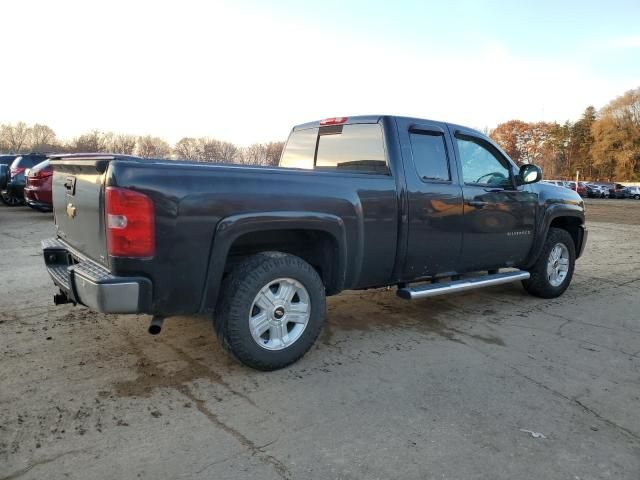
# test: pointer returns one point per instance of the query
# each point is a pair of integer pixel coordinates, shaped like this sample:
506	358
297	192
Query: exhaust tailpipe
155	327
61	298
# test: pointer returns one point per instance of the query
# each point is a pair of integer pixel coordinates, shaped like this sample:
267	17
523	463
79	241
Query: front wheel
271	310
552	272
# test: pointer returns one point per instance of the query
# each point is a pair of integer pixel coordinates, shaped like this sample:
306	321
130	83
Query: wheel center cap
278	313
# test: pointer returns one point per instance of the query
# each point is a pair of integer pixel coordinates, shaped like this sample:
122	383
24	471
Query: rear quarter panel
192	199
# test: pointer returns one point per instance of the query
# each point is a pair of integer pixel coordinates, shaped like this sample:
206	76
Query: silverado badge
71	210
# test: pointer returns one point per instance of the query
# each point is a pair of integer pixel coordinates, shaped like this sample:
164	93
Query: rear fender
231	228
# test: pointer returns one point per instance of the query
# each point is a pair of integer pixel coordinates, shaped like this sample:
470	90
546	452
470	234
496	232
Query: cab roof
376	119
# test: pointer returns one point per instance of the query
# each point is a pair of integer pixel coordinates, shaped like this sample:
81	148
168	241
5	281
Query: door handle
477	203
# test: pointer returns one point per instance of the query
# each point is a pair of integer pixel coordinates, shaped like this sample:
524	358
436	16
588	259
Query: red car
37	191
582	189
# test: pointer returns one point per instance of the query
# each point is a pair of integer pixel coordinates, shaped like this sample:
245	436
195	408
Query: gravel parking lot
492	384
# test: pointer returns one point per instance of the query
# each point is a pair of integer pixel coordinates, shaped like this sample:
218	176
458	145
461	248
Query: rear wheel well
316	247
572	225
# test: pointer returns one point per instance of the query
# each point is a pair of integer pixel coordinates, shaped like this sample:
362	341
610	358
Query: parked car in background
634	192
619	191
597	191
5	163
581	189
15	187
570	185
558	183
37	191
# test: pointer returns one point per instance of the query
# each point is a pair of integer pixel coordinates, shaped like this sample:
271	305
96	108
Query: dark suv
5	162
14	194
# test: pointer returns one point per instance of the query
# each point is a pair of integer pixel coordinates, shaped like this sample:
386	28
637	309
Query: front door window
480	166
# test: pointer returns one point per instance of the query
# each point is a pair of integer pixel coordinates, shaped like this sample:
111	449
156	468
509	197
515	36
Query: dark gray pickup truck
356	203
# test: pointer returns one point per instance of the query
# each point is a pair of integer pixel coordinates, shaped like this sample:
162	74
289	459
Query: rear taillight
130	219
40	173
16	170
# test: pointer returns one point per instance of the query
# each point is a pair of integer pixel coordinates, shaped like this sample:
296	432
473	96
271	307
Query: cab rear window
357	148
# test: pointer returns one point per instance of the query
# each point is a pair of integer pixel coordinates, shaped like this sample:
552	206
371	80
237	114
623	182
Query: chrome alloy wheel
558	264
279	314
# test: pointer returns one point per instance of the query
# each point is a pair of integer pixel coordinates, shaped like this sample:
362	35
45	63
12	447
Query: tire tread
239	288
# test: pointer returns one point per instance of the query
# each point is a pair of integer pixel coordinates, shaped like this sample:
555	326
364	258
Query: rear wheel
10	200
636	197
271	310
552	272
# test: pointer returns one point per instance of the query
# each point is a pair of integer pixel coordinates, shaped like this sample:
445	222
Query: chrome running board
442	288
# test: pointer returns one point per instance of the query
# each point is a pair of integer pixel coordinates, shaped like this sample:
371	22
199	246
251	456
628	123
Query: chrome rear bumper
85	281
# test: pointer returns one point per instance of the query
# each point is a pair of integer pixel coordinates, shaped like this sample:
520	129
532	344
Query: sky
246	71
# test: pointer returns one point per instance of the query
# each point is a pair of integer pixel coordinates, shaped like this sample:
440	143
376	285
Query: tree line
23	138
603	145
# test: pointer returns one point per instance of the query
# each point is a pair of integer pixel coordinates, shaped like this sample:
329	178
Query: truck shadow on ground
196	354
382	310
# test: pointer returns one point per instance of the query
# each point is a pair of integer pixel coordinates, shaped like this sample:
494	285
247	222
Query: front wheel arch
543	281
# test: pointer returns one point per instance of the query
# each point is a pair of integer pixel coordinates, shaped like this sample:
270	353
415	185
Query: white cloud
175	69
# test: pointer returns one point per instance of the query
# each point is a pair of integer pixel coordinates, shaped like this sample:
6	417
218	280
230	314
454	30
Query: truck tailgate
78	185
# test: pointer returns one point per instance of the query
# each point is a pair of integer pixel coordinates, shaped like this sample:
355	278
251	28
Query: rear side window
356	147
430	156
300	149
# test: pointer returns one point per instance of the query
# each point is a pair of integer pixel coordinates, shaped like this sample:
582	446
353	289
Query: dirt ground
493	384
617	211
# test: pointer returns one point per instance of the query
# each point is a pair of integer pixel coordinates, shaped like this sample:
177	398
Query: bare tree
228	152
152	147
208	149
255	154
15	137
122	143
187	149
91	142
274	151
20	137
42	138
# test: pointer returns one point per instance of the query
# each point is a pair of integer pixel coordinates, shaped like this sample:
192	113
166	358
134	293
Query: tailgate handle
70	184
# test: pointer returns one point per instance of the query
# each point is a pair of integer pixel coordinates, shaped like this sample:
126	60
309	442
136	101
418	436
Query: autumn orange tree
616	137
602	145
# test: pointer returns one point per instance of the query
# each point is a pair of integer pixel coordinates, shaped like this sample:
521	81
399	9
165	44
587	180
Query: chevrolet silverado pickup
355	203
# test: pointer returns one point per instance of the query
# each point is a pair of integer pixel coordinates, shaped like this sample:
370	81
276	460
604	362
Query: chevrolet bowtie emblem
71	210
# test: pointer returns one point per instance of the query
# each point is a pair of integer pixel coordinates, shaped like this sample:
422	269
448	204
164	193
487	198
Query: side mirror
529	173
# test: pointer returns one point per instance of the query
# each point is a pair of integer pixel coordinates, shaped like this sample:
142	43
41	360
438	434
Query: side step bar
435	289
